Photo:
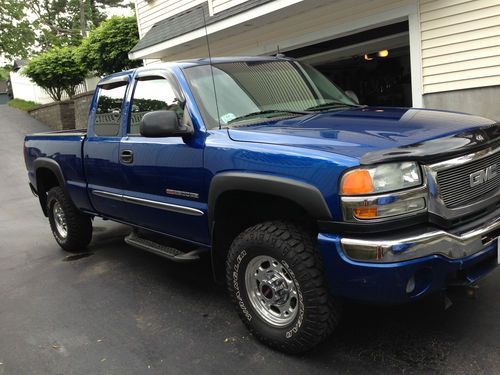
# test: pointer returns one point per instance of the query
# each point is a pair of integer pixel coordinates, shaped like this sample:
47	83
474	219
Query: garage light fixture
383	53
380	54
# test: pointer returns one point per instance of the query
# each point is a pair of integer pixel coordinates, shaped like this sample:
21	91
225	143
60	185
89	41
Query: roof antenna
211	66
278	52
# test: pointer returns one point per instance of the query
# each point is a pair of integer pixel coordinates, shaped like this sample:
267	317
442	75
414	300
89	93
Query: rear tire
276	280
71	228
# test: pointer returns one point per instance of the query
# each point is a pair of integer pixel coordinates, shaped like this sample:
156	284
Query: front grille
454	183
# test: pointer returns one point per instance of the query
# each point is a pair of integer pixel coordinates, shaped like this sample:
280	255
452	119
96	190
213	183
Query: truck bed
61	150
62	132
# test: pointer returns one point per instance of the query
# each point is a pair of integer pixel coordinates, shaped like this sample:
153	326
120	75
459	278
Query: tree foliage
105	50
65	22
57	70
16	34
32	25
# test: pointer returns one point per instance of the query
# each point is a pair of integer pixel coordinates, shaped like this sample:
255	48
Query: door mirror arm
180	102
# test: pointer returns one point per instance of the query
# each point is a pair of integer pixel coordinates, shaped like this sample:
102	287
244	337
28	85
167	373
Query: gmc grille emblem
480	177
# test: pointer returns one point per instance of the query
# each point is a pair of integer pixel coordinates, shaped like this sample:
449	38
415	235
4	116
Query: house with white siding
424	53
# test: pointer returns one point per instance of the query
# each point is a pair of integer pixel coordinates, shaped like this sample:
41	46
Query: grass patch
23	105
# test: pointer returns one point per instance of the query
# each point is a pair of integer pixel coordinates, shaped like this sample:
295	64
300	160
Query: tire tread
79	224
297	247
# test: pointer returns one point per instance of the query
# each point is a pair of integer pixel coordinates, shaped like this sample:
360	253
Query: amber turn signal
367	212
357	182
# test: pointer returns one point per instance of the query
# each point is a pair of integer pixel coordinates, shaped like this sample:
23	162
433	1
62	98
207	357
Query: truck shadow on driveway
421	336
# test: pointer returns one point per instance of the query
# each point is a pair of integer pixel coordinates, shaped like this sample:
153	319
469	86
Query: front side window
153	94
252	91
109	108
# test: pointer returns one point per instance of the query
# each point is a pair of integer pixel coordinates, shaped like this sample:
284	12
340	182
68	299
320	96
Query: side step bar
165	251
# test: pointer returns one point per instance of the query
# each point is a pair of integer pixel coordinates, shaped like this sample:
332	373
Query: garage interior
374	64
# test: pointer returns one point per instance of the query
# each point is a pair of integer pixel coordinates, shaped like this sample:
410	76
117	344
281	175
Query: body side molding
149	203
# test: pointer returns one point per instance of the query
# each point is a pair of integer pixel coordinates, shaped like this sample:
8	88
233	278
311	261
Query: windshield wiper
267	112
332	105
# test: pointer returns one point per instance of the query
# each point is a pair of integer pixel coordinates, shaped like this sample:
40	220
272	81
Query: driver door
163	177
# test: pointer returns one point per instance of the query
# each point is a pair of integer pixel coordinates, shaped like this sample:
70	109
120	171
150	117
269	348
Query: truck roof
221	60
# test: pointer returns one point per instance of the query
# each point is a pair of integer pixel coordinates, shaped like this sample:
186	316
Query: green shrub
57	70
105	50
4	74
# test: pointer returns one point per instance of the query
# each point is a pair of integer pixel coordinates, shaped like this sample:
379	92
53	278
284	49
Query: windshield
253	91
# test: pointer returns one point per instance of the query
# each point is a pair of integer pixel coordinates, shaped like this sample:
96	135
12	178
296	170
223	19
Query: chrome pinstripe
149	203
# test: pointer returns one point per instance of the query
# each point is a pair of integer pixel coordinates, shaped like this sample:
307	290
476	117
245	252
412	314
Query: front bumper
423	241
408	265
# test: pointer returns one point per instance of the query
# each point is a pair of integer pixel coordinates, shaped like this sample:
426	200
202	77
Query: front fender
305	195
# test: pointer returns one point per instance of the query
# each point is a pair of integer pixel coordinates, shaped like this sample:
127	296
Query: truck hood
373	135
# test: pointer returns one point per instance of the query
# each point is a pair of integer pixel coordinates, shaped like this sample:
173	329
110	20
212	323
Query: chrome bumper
393	248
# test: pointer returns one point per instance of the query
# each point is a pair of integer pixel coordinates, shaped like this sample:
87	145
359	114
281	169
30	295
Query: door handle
127	156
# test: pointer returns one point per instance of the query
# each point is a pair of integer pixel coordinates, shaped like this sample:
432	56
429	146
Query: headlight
366	191
382	178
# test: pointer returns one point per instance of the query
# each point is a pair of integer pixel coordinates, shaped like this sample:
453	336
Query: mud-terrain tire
71	228
276	281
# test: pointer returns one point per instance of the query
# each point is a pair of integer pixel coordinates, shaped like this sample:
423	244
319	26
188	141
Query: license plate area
490	237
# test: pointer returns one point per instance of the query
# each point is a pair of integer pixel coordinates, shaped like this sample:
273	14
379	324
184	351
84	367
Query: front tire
276	280
71	228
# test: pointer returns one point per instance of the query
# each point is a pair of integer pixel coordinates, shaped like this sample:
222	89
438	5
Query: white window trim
417	86
210	7
139	27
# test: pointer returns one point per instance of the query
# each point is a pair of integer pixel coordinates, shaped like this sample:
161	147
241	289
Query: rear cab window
109	109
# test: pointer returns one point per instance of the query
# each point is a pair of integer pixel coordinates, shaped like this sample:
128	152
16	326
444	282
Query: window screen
153	94
109	108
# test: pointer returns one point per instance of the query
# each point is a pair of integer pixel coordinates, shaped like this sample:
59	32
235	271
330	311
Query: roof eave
157	50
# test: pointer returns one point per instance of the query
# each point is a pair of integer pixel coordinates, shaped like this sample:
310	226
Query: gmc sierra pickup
302	197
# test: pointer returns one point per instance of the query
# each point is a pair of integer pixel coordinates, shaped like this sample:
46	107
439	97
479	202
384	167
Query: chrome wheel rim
271	291
60	220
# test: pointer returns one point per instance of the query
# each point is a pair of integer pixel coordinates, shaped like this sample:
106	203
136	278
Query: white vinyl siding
217	6
153	11
460	44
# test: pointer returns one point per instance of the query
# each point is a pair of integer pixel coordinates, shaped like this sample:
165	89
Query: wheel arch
301	193
253	198
48	175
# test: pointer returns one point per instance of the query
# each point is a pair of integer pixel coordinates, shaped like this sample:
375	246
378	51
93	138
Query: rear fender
52	166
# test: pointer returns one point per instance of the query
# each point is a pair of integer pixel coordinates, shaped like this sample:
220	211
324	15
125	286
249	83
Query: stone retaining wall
58	115
82	106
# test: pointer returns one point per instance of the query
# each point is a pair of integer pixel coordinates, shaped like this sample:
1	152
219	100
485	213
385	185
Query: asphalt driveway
124	311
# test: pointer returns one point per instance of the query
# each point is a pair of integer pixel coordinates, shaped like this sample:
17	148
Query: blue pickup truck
301	197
